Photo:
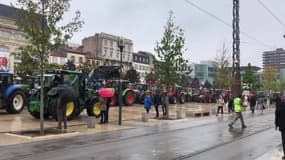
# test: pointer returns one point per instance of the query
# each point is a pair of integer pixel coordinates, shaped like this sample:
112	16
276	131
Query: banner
4	61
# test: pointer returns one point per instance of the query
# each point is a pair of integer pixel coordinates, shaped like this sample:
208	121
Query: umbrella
106	92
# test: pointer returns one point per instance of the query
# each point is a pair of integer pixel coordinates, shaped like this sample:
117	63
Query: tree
30	67
40	21
223	78
132	75
87	67
249	78
269	78
170	53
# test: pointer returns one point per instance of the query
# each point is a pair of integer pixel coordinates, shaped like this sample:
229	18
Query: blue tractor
13	97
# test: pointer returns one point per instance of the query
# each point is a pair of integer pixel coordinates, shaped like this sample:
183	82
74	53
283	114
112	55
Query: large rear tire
182	99
71	110
94	109
129	98
16	102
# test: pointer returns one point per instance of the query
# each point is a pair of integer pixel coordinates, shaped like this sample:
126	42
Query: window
53	59
111	43
123	56
129	56
80	59
105	42
4	48
118	55
62	60
72	59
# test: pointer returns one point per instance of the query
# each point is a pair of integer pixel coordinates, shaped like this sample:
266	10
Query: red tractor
176	93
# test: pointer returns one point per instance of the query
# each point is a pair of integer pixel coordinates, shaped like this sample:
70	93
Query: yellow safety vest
237	105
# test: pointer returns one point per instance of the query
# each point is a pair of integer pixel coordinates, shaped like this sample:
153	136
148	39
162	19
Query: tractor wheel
94	109
173	99
70	113
182	99
16	102
129	98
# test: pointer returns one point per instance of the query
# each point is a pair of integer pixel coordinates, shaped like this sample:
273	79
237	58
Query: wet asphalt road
198	140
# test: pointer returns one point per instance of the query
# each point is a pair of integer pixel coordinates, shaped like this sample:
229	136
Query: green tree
40	20
132	75
170	53
86	67
269	78
249	78
223	78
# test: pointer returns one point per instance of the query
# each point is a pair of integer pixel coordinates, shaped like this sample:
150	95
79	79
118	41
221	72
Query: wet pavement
208	138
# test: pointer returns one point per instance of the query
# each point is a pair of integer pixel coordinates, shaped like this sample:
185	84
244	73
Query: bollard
145	117
91	122
179	114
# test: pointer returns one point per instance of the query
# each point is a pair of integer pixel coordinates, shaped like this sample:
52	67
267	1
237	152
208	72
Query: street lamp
121	46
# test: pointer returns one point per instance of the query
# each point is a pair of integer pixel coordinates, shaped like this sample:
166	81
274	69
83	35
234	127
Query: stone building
143	63
105	46
11	38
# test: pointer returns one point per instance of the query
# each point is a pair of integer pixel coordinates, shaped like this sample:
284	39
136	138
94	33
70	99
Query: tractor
86	98
13	97
108	76
176	92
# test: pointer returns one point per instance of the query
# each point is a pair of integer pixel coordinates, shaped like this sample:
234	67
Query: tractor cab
6	79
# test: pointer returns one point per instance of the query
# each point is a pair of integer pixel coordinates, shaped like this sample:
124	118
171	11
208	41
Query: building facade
143	63
105	46
274	59
206	71
11	38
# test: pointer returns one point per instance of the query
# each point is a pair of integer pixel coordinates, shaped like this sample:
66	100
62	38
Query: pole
42	81
121	46
236	85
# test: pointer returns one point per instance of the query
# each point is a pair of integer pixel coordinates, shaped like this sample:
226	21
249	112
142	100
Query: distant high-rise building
274	59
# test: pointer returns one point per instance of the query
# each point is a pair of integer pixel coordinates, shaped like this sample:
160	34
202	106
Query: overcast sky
143	21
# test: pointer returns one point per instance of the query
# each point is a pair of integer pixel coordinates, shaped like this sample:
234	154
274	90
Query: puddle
36	133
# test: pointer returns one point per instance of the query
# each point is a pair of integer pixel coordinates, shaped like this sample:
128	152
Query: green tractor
13	97
98	76
86	98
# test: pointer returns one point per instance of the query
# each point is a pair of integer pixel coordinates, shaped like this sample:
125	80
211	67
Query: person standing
108	102
238	111
252	102
164	102
147	101
221	103
156	101
280	120
103	108
231	104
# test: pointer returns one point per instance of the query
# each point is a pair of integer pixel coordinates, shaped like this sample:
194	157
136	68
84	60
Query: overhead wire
271	13
226	23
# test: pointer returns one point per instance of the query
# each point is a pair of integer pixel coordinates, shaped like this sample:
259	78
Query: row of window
76	60
7	34
141	59
142	67
113	44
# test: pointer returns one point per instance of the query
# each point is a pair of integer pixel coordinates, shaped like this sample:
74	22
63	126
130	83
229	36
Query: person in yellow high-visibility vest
238	110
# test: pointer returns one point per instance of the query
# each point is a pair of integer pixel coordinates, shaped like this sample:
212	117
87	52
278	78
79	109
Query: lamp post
41	69
121	47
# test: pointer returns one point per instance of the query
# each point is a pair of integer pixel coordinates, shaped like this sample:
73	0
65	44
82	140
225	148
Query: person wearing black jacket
280	119
156	101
